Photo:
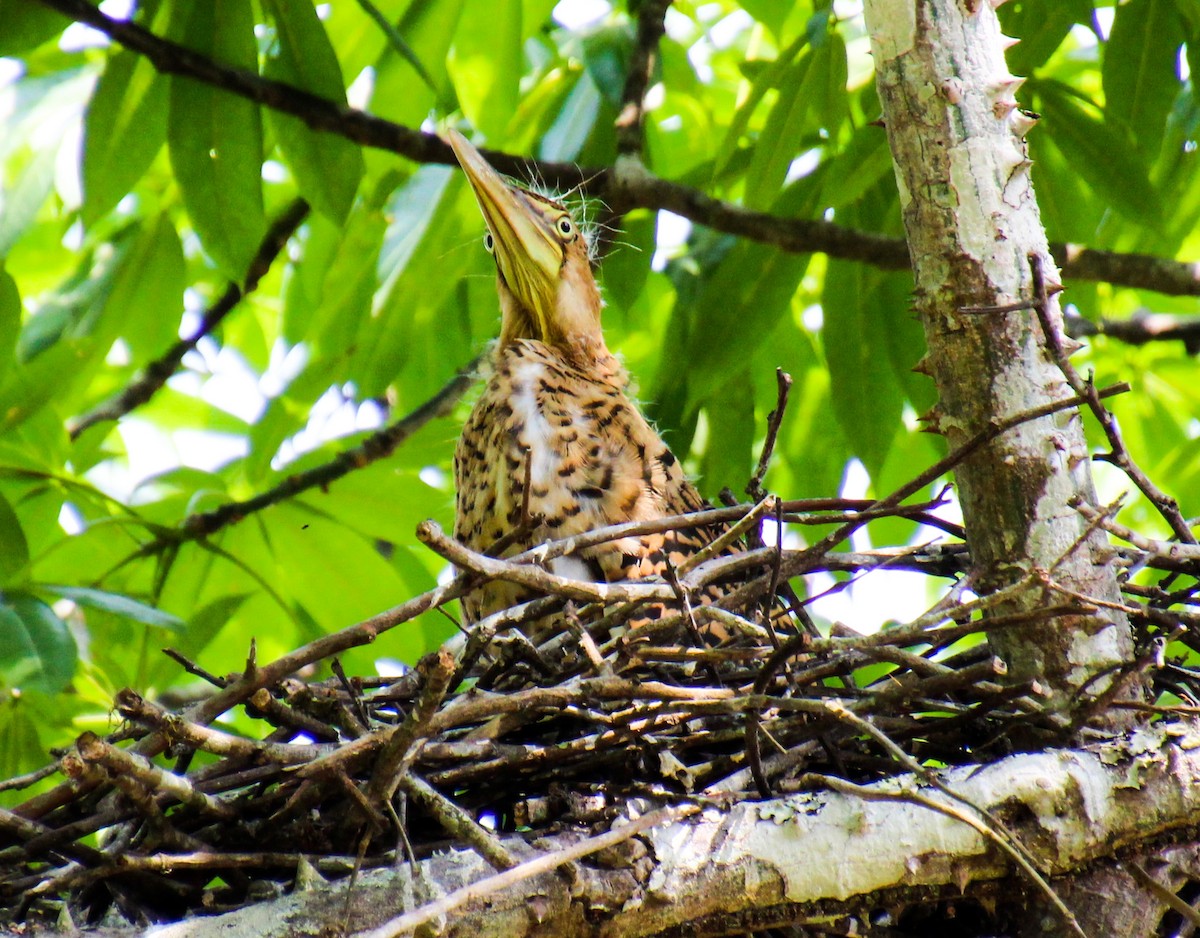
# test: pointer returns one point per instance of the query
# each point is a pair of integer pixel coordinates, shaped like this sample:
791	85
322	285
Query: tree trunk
973	224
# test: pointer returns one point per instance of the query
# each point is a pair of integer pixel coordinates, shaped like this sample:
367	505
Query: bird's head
543	273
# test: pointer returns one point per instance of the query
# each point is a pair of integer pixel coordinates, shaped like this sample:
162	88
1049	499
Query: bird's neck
586	354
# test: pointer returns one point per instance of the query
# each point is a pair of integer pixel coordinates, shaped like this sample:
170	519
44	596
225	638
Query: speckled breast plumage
566	429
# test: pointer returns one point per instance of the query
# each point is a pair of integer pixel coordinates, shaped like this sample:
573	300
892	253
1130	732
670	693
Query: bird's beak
528	254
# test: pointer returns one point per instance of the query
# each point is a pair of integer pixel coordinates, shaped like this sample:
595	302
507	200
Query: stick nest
553	715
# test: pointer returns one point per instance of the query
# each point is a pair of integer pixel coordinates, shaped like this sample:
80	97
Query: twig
642	61
1141	328
458	823
1169	553
155	375
586	642
728	537
783	382
805	557
437	668
430	533
133	706
1052	330
358	714
17	782
192	668
1164	895
122	762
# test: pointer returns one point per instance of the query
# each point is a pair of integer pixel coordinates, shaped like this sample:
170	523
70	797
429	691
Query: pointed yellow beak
529	255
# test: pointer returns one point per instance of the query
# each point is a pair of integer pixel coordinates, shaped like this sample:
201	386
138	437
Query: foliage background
132	200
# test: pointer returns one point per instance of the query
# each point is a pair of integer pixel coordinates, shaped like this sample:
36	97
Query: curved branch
1141	328
147	384
627	187
377	446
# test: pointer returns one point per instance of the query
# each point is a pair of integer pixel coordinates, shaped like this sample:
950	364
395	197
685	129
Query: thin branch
629	186
458	823
629	123
437	669
377	446
805	558
1141	328
148	383
431	535
783	386
1052	330
149	777
1171	554
1164	895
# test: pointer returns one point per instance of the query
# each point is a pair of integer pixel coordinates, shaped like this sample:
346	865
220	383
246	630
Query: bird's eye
565	228
489	242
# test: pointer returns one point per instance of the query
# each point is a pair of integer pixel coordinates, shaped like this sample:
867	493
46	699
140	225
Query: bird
555	446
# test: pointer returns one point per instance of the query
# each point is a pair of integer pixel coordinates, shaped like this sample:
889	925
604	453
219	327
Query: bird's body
561	423
554	446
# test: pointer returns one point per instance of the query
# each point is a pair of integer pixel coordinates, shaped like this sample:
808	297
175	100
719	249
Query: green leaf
347	273
36	647
745	294
606	53
336	575
779	142
728	456
771	13
771	76
409	326
1100	154
627	266
486	64
574	123
400	93
21	747
10	318
865	161
118	605
1041	26
215	138
354	501
831	101
328	167
27	25
147	290
866	398
1141	77
123	129
74	310
20	203
14	549
812	95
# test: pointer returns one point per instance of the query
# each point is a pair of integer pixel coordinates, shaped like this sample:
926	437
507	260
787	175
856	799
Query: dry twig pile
539	734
